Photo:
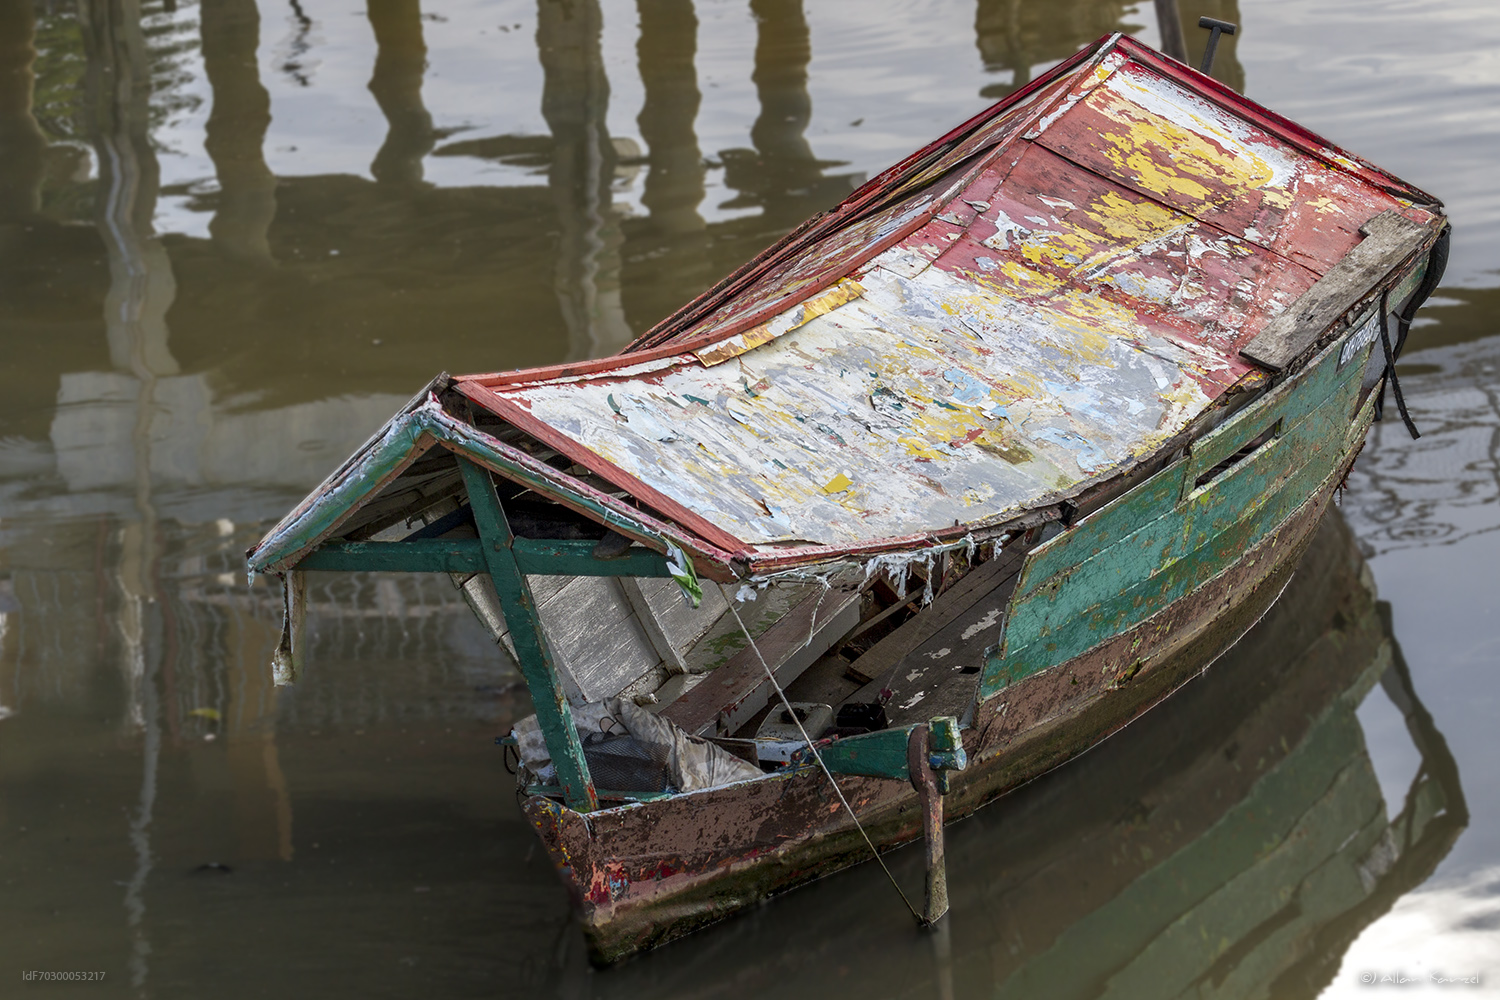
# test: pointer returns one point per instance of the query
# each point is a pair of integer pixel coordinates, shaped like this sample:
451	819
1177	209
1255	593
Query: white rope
792	714
812	625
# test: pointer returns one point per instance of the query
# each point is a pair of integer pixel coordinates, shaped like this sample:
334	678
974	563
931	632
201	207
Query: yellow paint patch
1325	204
838	484
1166	159
1118	228
206	713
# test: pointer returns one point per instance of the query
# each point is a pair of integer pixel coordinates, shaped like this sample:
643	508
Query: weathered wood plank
1265	486
682	623
723	639
1390	239
1057	236
941	675
670	654
1157	560
402	499
1047	633
597	642
734	692
1289	402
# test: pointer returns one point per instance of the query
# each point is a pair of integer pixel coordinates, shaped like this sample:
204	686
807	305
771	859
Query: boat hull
646	873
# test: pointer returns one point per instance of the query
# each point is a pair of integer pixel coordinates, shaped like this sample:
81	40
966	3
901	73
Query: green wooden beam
425	555
556	557
881	754
541	556
553	713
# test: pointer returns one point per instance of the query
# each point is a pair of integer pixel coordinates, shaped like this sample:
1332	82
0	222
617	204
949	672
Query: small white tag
1362	338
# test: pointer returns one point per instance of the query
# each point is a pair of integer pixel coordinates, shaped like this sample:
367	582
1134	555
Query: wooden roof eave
414	431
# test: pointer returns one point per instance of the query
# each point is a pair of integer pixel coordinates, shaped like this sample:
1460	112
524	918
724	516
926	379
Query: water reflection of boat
1232	843
1089	367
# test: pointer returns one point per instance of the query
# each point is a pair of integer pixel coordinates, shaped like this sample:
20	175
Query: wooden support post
925	780
553	712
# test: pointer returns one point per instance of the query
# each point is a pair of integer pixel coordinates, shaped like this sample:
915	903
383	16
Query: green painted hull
1185	525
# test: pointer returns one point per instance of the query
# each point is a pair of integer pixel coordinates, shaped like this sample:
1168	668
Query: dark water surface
236	235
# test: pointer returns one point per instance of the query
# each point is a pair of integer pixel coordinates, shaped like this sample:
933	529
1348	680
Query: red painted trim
518	416
576	369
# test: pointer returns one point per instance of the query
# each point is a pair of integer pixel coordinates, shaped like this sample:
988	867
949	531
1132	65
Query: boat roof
1034	303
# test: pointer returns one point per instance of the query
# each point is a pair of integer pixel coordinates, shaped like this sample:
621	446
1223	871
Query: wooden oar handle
1216	28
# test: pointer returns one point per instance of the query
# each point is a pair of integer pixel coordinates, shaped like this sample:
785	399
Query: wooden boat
1241	838
1009	444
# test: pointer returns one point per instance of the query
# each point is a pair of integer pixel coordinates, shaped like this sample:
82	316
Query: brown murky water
235	235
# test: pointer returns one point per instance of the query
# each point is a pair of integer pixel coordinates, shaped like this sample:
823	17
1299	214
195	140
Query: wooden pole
925	781
553	713
1169	23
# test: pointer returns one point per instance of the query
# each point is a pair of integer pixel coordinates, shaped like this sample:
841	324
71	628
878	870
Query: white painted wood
670	654
598	642
684	625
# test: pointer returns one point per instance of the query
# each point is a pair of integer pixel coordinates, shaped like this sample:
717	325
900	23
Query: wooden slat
739	689
660	641
957	599
597	643
682	623
941	676
1390	238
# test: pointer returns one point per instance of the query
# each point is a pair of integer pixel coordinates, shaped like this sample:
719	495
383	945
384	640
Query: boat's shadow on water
1235	838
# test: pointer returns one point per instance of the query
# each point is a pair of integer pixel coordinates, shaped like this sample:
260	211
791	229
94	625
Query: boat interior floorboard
931	665
941	675
826	682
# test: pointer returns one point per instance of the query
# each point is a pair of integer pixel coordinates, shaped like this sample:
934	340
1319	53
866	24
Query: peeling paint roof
1033	303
